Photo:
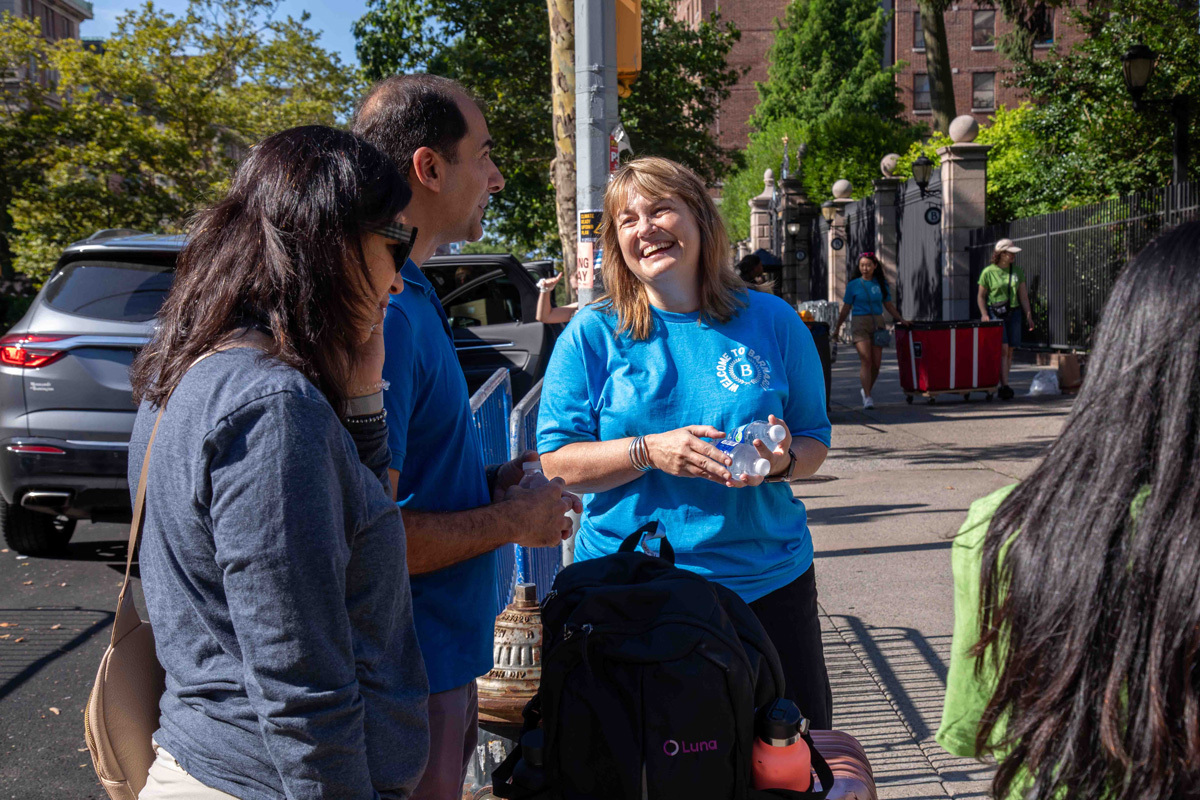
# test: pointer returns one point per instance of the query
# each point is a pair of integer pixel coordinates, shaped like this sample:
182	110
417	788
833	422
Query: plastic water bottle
781	758
771	435
533	476
745	458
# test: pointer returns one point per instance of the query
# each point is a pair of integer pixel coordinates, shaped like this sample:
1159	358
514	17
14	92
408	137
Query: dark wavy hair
1092	616
283	251
877	275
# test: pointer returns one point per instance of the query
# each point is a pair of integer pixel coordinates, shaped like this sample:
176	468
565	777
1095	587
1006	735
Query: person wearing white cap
1001	287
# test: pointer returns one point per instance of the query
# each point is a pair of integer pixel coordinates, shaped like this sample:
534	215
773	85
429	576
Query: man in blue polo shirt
437	135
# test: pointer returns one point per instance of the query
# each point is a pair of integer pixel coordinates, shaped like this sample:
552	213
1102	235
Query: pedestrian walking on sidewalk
1004	297
867	295
438	137
272	557
1077	605
680	351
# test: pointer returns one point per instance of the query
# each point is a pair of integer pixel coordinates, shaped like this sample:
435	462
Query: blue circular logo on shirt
740	367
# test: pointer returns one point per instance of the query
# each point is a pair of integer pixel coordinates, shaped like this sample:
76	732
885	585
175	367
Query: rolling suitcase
852	776
958	357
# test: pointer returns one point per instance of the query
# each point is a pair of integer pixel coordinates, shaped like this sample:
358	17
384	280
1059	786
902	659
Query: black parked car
65	406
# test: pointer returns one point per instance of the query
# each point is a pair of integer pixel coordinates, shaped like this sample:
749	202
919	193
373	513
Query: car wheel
31	533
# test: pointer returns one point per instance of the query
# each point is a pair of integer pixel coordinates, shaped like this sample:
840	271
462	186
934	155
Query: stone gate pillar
760	215
964	208
887	239
836	241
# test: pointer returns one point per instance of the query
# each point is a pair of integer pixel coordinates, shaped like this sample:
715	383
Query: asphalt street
894	490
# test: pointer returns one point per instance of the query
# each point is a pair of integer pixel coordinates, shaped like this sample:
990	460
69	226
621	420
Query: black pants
789	615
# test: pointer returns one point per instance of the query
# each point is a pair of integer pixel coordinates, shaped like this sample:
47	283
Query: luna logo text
674	748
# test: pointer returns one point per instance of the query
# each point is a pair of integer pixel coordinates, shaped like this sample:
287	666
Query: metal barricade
491	406
534	564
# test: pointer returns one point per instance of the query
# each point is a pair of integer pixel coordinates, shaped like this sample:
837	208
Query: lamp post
1137	66
922	170
828	210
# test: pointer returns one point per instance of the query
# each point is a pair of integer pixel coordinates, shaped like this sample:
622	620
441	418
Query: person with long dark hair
1077	602
867	295
272	556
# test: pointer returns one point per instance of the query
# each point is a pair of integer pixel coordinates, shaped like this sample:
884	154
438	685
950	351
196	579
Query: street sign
589	225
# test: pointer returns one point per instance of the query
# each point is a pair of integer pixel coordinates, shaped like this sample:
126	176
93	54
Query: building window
921	100
1043	27
983	91
64	28
918	32
983	28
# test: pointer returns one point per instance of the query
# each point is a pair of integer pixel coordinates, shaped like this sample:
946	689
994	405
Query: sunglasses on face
403	238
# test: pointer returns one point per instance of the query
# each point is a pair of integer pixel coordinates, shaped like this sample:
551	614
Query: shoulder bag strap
127	618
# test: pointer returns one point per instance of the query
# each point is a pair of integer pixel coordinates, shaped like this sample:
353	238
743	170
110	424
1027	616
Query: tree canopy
145	129
826	87
500	50
825	63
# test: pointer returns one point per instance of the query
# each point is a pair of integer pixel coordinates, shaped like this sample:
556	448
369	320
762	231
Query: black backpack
650	680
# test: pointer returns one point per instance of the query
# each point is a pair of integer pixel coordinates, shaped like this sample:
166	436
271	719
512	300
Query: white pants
168	781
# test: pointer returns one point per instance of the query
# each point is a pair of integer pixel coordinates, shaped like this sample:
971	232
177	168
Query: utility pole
595	117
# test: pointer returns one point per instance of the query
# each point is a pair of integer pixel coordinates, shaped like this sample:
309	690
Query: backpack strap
820	766
649	531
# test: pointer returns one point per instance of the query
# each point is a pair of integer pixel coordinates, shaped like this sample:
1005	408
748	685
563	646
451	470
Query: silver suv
65	407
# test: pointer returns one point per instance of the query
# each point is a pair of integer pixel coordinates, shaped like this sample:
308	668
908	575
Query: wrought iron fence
1072	258
533	564
491	407
818	276
919	250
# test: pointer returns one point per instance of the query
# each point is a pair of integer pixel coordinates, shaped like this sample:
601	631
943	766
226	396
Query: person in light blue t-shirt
867	296
680	352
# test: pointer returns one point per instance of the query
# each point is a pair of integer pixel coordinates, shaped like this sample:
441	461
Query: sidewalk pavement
883	510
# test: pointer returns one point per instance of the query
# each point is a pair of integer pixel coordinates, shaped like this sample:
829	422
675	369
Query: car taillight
36	448
20	350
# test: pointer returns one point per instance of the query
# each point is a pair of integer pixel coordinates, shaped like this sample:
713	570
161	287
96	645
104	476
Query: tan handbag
121	715
122	710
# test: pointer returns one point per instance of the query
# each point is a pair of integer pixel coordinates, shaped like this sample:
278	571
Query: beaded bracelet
367	420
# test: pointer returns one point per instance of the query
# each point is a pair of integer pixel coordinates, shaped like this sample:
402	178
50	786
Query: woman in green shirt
1001	289
1076	656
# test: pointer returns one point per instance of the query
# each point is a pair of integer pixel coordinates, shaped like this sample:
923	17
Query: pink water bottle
781	756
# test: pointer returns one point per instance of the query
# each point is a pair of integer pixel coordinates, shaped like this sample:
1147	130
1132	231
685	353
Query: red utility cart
949	358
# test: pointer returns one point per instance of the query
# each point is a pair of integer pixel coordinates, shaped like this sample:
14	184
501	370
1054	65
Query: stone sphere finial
888	165
769	177
964	129
842	189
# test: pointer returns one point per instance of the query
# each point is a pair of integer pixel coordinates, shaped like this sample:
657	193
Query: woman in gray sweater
272	557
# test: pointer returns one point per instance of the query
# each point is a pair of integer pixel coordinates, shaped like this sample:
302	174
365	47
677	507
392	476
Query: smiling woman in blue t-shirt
867	296
679	352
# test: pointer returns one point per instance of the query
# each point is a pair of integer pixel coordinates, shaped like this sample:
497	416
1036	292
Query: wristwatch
786	475
364	406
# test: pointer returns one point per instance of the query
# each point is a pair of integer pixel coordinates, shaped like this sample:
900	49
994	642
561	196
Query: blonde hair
721	289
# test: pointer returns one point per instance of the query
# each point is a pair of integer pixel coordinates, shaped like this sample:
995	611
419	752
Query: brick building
980	71
972	29
59	19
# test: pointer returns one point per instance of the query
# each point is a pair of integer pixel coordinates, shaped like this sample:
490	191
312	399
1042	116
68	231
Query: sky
332	18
